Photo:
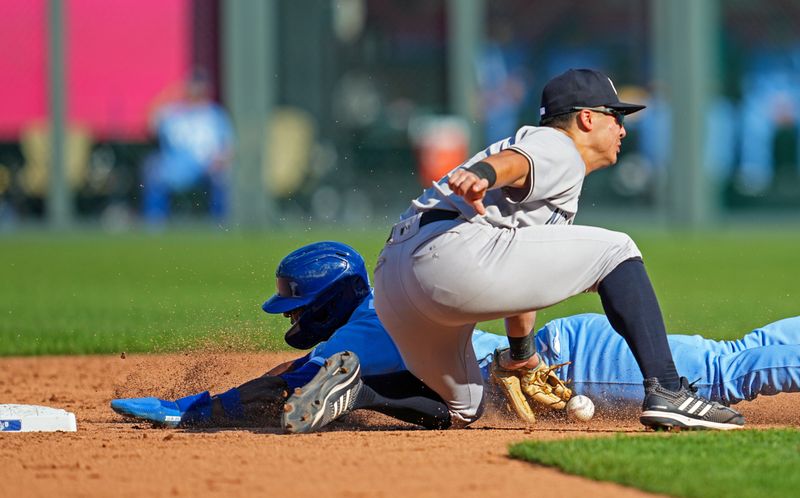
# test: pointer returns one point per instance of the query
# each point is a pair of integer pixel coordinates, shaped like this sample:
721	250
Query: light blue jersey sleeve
364	335
484	344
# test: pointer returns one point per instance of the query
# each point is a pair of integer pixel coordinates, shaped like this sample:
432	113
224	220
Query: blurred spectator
655	135
502	81
770	103
195	139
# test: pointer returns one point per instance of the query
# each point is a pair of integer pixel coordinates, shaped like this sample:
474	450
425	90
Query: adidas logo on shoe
329	395
663	408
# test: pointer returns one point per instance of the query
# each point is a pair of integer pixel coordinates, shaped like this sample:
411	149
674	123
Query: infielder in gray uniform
494	239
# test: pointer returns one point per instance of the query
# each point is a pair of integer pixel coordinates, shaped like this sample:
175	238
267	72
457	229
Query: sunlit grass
91	292
692	465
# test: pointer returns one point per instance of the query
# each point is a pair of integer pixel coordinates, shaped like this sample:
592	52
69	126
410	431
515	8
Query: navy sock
404	397
632	308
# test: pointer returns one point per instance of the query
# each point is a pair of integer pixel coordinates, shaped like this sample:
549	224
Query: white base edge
34	418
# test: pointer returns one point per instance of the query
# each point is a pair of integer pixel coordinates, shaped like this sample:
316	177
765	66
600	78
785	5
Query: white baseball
580	408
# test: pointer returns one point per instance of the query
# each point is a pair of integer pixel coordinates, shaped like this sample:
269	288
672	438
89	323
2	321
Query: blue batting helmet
328	280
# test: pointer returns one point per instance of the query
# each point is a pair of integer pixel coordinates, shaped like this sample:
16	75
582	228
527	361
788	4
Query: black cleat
665	409
329	395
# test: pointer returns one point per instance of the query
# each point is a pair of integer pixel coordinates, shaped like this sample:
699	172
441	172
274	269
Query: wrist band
485	171
521	348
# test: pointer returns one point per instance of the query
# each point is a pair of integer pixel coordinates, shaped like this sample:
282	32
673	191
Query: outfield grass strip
747	463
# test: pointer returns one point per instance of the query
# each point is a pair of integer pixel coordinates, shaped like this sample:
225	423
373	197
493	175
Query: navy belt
437	215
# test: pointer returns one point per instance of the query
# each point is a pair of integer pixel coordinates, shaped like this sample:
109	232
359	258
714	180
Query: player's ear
584	120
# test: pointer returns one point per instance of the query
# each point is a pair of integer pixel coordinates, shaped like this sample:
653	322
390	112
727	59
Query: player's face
294	315
610	131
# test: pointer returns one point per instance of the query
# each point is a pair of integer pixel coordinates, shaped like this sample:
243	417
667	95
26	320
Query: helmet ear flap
360	289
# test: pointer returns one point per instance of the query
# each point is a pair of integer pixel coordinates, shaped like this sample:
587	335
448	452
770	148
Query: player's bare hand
509	364
467	185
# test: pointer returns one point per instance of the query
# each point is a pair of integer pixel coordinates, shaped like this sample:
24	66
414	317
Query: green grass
699	464
92	292
720	285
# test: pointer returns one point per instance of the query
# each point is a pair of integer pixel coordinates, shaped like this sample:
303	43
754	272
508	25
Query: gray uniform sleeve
556	166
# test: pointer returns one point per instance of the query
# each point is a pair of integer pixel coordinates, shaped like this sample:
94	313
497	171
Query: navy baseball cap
581	88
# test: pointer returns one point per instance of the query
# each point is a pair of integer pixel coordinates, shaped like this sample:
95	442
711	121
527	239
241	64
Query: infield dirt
356	457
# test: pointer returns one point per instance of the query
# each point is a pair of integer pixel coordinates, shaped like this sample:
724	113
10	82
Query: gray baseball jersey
435	281
553	194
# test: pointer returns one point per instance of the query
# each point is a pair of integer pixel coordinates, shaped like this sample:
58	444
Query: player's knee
624	247
619	248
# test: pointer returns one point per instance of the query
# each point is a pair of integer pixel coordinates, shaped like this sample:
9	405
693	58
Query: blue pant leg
218	195
757	156
155	191
764	370
786	331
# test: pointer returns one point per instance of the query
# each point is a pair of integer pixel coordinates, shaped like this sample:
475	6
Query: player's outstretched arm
504	169
259	399
281	368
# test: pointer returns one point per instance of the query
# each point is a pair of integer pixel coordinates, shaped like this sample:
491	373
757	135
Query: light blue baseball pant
765	361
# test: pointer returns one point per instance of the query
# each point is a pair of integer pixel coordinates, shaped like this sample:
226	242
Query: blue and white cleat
191	409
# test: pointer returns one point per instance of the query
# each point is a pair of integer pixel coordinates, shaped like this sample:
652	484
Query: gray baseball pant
434	283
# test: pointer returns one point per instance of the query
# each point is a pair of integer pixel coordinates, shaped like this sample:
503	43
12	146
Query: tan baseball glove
539	385
543	386
509	383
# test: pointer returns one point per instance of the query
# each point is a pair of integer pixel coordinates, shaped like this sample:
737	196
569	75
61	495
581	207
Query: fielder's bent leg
632	309
669	401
